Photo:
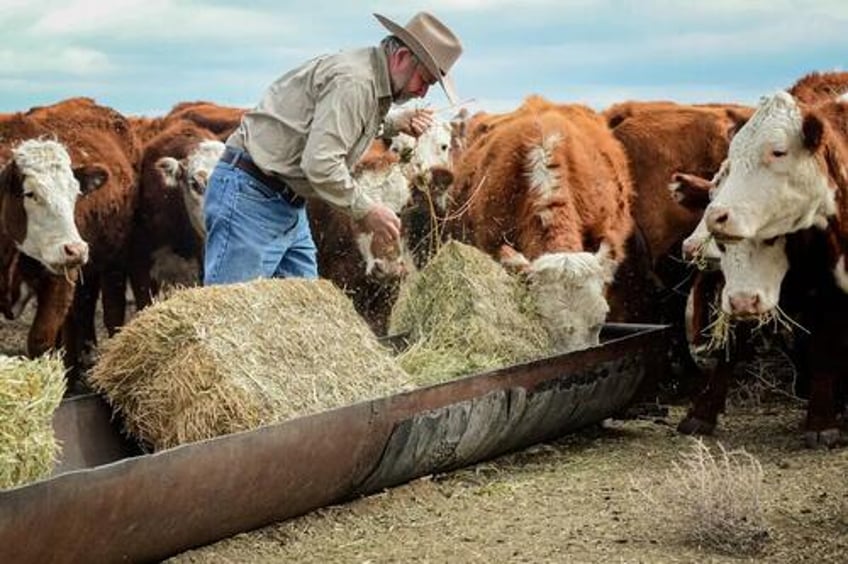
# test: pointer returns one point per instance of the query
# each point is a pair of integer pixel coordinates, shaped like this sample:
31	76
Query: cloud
65	60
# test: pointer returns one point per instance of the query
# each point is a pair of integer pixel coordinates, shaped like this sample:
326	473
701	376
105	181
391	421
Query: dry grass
464	314
216	360
714	500
30	392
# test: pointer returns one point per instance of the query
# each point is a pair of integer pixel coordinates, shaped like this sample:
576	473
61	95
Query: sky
143	56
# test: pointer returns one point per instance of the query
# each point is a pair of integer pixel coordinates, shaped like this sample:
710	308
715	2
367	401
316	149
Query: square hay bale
220	359
30	392
465	314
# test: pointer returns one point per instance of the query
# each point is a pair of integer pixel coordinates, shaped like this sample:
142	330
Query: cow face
39	193
427	160
753	272
190	176
774	184
568	289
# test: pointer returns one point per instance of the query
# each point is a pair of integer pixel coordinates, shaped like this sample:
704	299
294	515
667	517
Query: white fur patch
543	180
840	274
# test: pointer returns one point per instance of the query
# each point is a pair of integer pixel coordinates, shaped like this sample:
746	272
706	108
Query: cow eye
770	242
30	195
777	153
720	246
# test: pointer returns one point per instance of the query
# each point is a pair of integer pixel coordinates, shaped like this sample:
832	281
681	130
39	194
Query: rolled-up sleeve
341	113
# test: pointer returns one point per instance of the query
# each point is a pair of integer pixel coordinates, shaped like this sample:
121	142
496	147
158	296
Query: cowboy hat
433	43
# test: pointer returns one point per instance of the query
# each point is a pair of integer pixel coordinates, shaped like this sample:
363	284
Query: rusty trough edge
152	506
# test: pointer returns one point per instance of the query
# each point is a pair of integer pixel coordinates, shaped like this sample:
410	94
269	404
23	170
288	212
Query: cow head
426	161
39	191
753	272
190	175
569	293
774	184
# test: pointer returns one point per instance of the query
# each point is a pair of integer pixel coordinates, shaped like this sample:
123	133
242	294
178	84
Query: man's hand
414	121
383	223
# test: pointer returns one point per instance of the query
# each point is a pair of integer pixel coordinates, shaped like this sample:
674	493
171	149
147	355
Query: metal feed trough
109	502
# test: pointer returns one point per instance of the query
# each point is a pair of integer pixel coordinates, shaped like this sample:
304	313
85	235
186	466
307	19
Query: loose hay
30	392
216	360
714	501
465	313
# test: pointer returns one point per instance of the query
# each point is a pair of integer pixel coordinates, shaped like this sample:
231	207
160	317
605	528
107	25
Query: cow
94	151
168	230
538	185
785	284
791	150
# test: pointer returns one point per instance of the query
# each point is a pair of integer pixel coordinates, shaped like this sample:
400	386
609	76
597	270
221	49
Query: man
301	141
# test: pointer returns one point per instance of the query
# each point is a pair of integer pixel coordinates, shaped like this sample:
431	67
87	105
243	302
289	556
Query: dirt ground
573	500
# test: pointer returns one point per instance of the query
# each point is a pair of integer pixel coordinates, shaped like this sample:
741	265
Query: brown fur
220	120
161	219
819	87
591	201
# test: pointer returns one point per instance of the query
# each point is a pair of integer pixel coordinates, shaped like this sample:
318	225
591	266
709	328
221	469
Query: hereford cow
538	185
102	152
168	231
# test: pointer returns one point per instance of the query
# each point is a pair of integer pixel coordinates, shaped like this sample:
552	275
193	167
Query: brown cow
102	150
167	240
539	185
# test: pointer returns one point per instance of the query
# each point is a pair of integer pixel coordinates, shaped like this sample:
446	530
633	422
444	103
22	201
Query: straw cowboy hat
433	43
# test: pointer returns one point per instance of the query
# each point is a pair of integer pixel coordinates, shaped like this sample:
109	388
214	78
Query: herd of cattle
595	209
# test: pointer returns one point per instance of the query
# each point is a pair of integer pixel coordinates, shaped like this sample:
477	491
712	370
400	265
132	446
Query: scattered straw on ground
465	313
30	392
215	360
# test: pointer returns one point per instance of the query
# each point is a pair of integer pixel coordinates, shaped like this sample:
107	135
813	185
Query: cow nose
717	219
690	248
76	253
745	304
442	177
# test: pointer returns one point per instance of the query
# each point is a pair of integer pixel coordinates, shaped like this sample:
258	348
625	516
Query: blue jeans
253	232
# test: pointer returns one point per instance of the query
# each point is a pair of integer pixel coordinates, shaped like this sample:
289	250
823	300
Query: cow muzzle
724	224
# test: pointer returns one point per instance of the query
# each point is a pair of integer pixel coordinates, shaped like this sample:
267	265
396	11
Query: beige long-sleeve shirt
315	122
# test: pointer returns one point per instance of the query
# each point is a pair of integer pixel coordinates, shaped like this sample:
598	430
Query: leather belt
241	159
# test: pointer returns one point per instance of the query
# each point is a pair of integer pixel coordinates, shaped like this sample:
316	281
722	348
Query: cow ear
737	121
170	169
812	131
91	177
10	178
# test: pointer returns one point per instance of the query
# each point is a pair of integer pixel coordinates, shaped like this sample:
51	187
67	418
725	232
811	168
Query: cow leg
140	281
79	331
821	427
55	296
114	291
703	415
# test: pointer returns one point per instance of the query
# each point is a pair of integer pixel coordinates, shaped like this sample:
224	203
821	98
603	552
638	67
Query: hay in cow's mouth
464	314
30	392
220	359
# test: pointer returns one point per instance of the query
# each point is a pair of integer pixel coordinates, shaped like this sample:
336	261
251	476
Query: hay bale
465	314
30	392
216	360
